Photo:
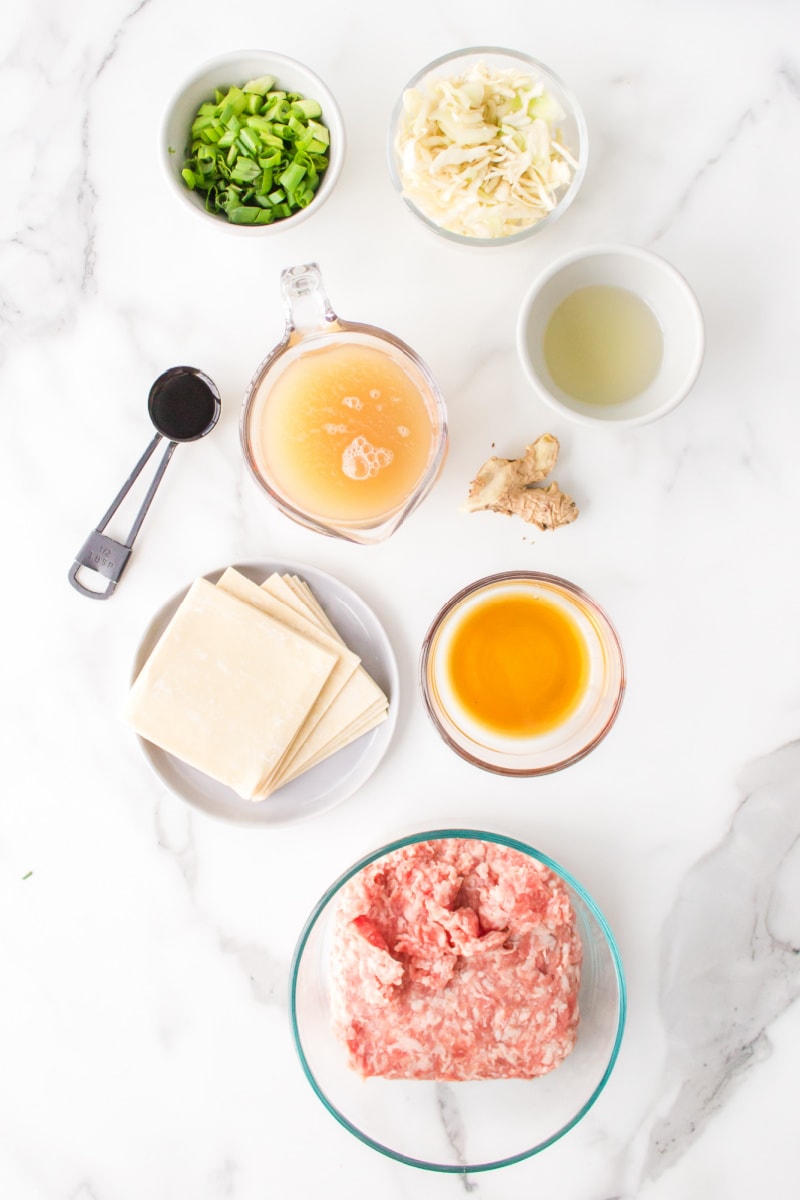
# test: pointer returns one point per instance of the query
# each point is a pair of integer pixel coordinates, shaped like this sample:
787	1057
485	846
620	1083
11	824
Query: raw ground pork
455	959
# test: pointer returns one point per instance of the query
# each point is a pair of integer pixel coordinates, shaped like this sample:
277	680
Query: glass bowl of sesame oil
522	673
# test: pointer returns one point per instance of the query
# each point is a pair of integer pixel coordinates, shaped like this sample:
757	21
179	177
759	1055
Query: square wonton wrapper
346	663
358	708
227	687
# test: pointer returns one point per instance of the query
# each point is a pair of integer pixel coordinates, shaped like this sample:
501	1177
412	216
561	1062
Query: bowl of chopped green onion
253	141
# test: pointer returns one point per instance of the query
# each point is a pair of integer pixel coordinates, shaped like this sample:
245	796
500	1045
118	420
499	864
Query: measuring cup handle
305	301
104	555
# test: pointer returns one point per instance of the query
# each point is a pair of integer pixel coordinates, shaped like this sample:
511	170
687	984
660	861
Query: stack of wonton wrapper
251	684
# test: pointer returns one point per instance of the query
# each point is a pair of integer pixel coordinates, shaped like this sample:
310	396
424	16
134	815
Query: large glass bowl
584	727
464	1126
570	128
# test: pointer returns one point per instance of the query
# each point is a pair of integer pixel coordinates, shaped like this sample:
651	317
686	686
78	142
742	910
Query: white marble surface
145	1049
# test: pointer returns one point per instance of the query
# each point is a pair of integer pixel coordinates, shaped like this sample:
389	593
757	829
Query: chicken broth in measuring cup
343	426
344	432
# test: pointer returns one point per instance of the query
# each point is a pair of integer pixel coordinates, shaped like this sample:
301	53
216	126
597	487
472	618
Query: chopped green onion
320	132
256	153
306	109
262	85
292	176
249	142
245	170
242	215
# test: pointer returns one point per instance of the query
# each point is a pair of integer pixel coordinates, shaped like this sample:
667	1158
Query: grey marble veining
727	972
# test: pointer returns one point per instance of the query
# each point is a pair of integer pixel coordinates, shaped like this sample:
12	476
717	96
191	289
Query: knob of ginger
510	486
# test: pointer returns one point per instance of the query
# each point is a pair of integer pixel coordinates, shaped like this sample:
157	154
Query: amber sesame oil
518	664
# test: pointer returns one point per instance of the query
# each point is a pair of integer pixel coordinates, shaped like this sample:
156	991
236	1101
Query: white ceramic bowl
571	130
670	299
236	68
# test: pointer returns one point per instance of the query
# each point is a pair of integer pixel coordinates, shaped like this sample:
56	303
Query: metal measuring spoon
184	405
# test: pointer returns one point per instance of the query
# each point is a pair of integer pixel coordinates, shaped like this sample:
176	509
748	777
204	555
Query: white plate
332	780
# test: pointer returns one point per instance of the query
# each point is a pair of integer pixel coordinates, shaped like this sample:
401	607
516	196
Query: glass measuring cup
343	427
183	405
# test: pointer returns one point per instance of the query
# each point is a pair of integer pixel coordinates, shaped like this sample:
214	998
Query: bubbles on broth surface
362	460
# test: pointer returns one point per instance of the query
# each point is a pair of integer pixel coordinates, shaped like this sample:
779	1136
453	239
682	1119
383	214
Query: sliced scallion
257	153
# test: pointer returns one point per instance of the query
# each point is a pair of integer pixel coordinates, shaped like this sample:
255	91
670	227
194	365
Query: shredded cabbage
479	154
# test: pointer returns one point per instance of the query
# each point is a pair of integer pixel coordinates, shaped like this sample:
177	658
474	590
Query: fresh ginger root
508	485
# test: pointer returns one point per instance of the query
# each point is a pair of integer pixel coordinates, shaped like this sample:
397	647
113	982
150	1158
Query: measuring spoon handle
105	555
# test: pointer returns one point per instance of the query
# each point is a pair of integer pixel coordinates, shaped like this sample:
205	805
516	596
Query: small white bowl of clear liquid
611	335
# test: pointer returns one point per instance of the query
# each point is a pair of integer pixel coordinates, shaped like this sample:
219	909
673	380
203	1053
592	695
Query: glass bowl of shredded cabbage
487	146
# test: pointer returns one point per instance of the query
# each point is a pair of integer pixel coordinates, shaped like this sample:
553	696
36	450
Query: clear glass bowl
465	1126
572	131
583	728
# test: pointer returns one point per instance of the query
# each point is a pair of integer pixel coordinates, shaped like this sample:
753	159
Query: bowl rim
575	111
513	843
574	591
612	250
333	118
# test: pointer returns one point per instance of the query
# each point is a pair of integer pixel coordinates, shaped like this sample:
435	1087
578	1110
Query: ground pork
455	959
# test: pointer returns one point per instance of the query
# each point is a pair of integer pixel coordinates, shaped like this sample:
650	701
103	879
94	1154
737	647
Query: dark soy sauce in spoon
182	406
